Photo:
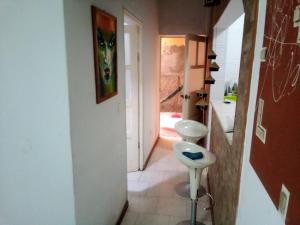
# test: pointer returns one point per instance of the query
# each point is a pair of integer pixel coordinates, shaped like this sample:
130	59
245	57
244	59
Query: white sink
190	130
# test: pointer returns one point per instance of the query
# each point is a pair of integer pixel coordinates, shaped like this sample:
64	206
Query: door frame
159	77
186	112
139	24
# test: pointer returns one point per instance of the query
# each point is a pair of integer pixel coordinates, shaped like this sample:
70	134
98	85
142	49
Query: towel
193	155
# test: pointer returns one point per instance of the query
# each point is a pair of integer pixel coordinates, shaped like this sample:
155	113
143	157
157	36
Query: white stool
195	167
190	131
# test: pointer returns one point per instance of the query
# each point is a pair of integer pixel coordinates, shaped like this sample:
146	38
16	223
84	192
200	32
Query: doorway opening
133	87
227	44
171	83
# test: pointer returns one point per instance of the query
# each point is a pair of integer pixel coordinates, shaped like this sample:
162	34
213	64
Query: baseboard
150	154
210	201
121	217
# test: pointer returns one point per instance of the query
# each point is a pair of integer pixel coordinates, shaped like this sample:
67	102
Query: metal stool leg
183	190
193	220
194	212
195	176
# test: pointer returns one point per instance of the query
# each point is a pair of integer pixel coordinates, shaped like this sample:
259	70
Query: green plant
234	89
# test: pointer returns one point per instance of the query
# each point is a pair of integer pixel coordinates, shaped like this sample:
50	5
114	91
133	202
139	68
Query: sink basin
190	130
183	146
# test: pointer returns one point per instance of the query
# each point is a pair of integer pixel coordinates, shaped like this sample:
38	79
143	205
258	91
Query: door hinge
139	145
138	57
185	96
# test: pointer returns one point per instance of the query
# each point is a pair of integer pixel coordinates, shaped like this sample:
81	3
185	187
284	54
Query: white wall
183	17
220	48
234	10
227	44
147	12
36	185
98	131
255	205
234	50
228	31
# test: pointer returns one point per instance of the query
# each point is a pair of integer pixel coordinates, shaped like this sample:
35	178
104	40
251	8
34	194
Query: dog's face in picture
107	54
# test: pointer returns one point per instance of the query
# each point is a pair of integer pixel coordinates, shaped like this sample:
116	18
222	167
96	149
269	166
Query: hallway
151	195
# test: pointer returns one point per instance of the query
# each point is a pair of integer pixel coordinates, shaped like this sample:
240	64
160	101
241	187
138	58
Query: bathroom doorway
171	83
133	87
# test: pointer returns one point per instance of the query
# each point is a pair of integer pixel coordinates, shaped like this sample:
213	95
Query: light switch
260	132
283	201
296	20
297	16
260	111
263	54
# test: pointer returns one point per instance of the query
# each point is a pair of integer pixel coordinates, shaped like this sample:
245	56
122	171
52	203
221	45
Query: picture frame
104	28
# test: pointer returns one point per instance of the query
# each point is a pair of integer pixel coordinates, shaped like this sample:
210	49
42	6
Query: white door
132	95
194	74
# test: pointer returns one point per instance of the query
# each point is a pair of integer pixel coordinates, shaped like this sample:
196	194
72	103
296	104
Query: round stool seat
184	146
195	158
190	130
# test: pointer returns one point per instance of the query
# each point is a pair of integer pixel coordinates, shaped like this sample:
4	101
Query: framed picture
211	2
105	54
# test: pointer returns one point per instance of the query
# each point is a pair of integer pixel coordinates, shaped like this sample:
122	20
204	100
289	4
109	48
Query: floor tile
143	204
152	176
202	214
134	176
161	190
172	207
175	177
173	220
151	195
138	188
130	218
152	219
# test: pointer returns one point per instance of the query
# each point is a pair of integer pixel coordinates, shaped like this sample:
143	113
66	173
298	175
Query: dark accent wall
277	161
183	17
225	174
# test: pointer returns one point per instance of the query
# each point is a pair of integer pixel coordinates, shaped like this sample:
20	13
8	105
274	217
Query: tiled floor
151	195
167	123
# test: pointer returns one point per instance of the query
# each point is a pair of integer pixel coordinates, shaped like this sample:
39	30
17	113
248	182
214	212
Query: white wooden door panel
132	93
194	73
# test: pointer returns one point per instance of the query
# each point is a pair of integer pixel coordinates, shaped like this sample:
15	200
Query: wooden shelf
212	55
202	93
214	67
209	80
202	103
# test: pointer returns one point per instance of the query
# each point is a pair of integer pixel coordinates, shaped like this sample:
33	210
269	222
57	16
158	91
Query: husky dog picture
105	54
